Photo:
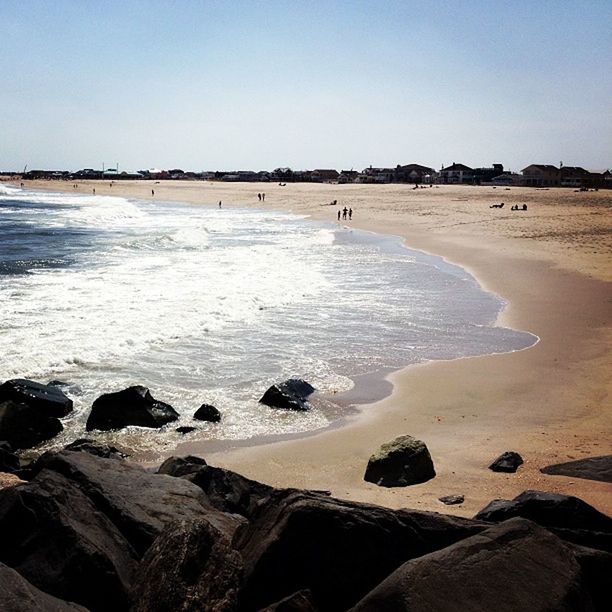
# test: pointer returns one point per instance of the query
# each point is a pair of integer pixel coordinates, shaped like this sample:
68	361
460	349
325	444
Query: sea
208	305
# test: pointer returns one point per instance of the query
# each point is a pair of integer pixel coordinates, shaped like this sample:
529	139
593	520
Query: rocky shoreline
84	529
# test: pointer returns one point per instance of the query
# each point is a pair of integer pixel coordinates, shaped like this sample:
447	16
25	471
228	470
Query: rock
591	468
100	450
339	550
190	567
290	394
596	568
24	426
567	516
298	602
451	500
507	462
9	462
56	538
19	595
513	566
49	400
225	490
185	430
206	412
132	406
180	466
9	480
139	503
402	462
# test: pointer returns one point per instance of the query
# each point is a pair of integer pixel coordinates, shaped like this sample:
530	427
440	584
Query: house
574	176
376	175
485	175
324	176
413	173
506	179
347	176
541	175
457	174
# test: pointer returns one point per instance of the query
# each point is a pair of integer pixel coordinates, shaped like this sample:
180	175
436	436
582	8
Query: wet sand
550	403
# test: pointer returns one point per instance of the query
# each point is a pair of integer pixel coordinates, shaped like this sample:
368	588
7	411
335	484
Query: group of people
261	197
344	212
517	207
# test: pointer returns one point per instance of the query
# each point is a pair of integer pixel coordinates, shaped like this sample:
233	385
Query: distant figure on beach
263	197
219	203
350	213
152	192
22	184
94	191
111	185
335	202
524	206
344	211
339	215
259	196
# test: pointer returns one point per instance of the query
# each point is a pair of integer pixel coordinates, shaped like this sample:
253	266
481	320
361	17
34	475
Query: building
324	176
574	176
541	175
457	174
484	175
414	173
506	179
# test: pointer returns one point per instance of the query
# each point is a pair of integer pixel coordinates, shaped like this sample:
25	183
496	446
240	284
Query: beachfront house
541	175
456	174
574	176
324	175
347	176
413	173
506	179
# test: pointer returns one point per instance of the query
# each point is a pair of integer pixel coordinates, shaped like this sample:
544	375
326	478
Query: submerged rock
94	448
185	429
290	394
132	406
24	426
50	400
507	462
206	412
399	463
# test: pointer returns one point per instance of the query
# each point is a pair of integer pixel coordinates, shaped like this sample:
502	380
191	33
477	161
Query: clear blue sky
248	84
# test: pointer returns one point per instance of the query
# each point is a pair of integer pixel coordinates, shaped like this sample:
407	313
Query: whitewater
209	305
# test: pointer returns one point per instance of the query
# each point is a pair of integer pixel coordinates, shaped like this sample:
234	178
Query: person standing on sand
152	192
350	213
338	215
263	197
344	211
94	191
259	196
219	203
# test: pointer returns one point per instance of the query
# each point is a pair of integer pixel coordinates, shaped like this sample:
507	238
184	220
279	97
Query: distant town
535	175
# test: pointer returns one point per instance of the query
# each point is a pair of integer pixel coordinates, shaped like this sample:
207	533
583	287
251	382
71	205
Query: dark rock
57	539
339	550
180	466
402	462
225	490
19	595
49	400
567	516
139	503
513	566
24	426
9	462
185	430
58	383
507	462
596	568
132	406
206	412
190	567
298	602
451	500
290	394
591	468
100	450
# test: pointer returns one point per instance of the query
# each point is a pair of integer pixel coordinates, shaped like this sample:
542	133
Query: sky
235	85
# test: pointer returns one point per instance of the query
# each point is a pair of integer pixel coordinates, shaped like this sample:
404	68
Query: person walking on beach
219	203
350	213
344	211
259	196
94	191
263	197
152	192
338	215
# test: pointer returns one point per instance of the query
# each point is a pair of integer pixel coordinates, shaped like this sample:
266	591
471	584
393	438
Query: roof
457	168
541	167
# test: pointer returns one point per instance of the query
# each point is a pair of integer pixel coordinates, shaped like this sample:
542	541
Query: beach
550	403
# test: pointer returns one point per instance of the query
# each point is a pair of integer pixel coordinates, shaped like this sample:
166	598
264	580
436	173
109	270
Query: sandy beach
551	403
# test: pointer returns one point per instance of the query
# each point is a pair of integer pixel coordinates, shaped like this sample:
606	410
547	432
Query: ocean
209	305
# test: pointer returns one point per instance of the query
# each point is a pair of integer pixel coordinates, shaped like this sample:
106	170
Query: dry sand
550	403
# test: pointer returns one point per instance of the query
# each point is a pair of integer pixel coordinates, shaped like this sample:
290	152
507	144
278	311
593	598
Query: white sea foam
201	304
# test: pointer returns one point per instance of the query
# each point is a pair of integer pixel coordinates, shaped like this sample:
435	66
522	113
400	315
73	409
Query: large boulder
190	567
297	602
19	595
591	468
24	426
290	394
48	399
567	516
132	406
206	412
513	566
9	462
339	550
101	450
225	490
138	502
399	463
507	462
55	537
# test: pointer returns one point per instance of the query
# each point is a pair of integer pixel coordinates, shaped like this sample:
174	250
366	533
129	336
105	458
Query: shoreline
549	402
